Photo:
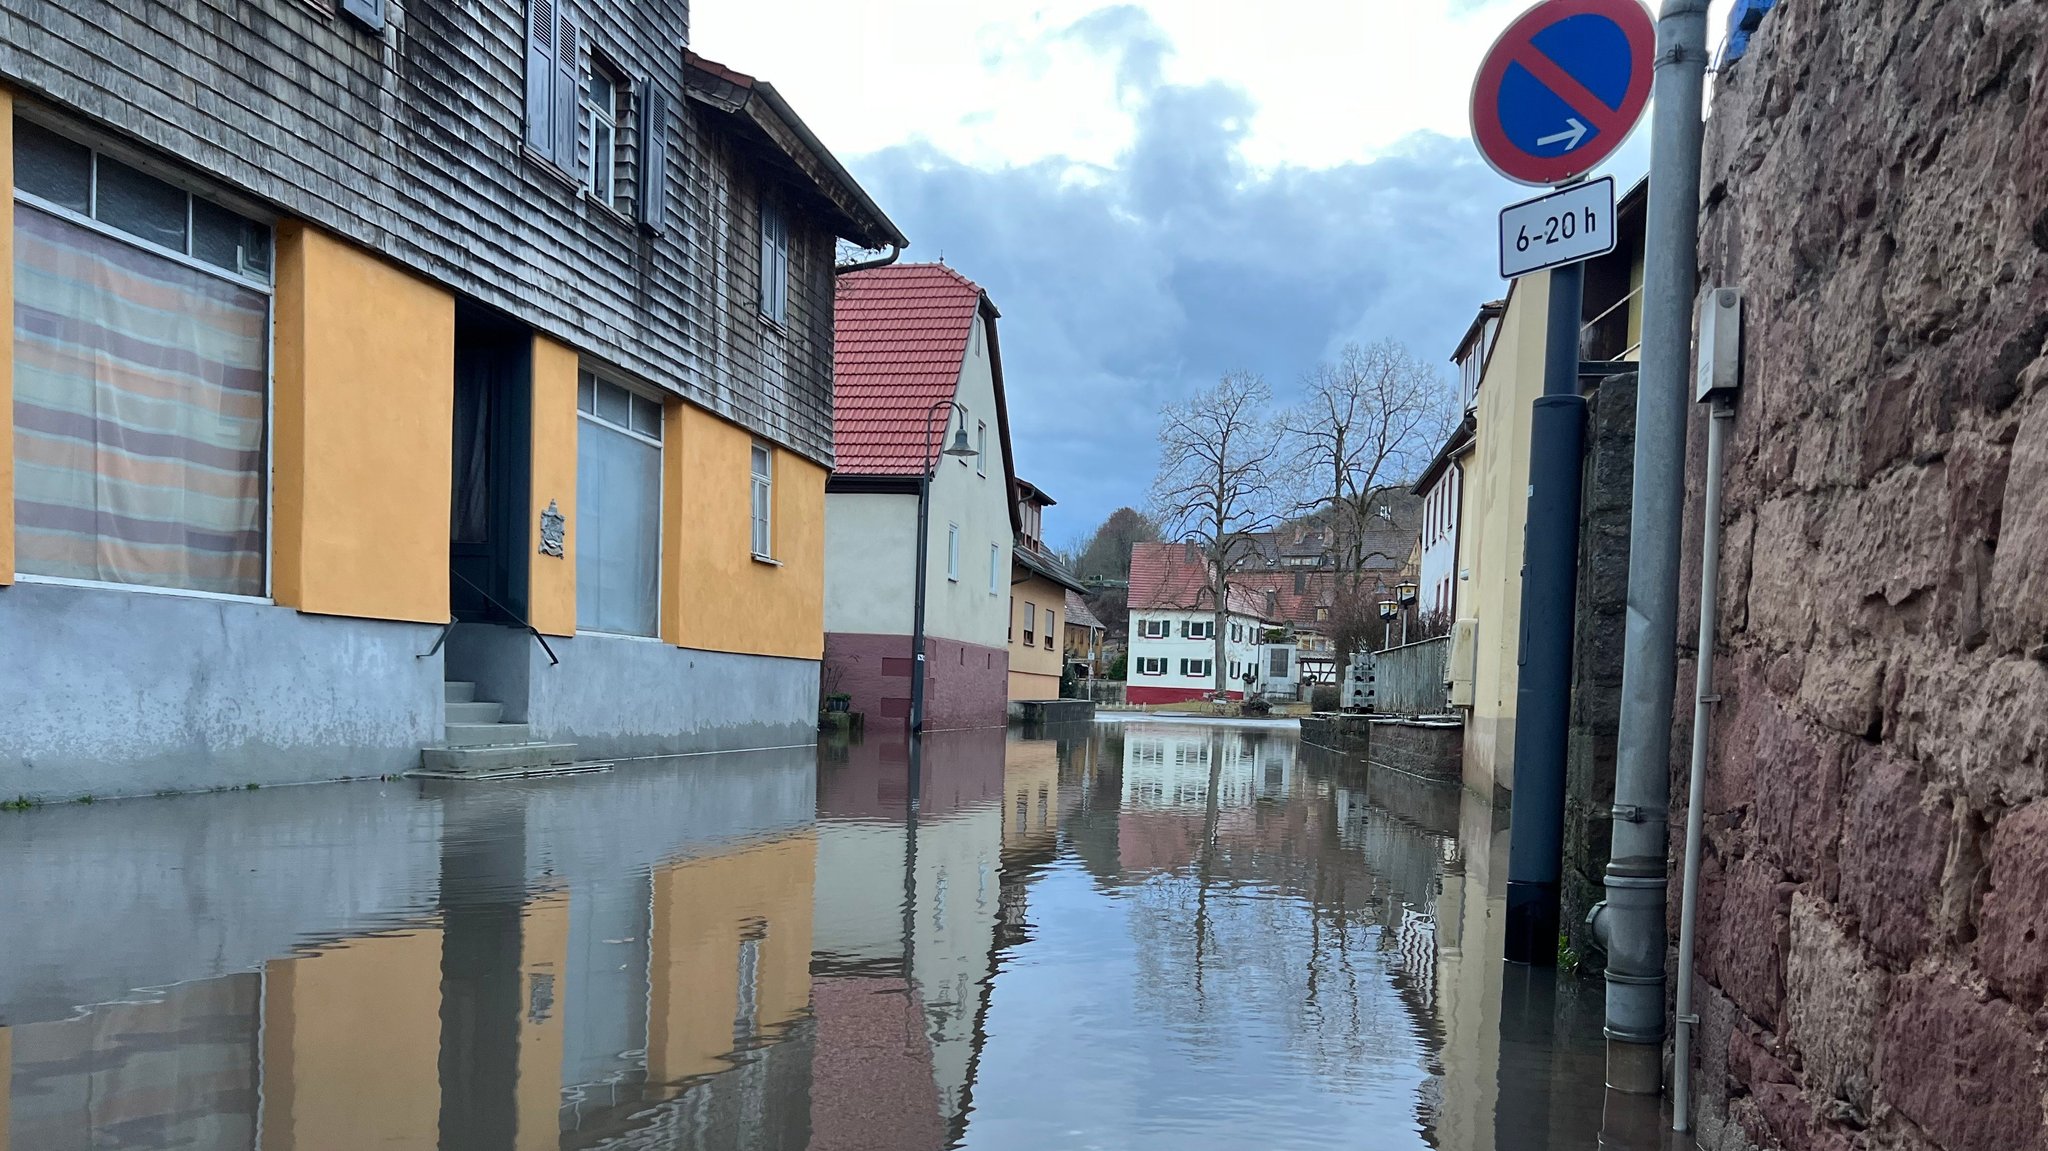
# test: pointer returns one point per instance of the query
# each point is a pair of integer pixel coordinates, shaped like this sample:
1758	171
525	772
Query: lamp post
1406	593
959	447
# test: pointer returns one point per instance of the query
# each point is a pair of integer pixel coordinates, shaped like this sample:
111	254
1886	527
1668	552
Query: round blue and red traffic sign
1562	87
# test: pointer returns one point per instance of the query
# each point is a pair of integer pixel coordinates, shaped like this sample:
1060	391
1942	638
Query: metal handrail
553	661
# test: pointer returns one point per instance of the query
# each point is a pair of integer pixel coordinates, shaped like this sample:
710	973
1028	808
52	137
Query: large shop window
618	497
141	376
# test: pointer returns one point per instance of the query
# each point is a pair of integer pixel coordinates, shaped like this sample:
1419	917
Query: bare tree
1219	482
1368	425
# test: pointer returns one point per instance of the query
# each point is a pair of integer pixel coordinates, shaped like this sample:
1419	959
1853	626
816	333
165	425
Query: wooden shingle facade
416	141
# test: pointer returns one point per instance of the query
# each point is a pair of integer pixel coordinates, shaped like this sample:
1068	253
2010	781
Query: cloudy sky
1156	193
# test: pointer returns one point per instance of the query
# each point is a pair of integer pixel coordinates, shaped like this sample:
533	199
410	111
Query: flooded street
1142	936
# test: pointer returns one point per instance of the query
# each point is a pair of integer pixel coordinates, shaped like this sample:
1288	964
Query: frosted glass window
618	505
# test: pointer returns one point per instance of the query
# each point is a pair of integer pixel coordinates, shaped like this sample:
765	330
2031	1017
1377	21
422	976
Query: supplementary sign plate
1562	88
1564	227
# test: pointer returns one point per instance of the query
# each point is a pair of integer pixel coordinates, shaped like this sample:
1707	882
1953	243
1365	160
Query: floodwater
1127	936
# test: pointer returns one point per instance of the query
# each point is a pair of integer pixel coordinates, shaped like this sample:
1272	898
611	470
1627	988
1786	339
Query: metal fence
1411	680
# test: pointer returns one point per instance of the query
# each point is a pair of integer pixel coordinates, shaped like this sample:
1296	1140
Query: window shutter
652	202
368	13
540	76
568	89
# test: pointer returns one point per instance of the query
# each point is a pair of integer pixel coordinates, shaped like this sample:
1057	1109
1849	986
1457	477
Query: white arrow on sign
1575	133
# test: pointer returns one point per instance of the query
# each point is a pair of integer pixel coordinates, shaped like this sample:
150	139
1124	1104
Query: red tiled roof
900	335
1168	576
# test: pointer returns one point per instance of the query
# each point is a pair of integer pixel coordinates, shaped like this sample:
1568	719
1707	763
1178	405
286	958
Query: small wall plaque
552	528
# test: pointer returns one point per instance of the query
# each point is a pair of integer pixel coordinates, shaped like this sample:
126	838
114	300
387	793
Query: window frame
1152	665
1187	664
761	528
588	111
980	447
995	563
96	148
953	552
1051	627
773	297
661	486
1165	627
1030	624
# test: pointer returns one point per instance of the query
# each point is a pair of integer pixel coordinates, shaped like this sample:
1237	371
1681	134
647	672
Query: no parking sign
1561	88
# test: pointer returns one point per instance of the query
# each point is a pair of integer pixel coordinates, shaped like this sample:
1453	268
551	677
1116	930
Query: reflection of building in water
1177	767
582	985
900	891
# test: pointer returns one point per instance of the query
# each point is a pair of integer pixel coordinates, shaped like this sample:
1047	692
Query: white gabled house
1173	644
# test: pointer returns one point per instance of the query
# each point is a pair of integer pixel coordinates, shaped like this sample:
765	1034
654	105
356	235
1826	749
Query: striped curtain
139	396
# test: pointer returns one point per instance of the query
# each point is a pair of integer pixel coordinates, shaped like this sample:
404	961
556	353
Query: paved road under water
1130	936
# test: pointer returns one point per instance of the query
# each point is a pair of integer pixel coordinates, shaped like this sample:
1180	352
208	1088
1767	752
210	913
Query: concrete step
459	712
500	758
460	692
488	734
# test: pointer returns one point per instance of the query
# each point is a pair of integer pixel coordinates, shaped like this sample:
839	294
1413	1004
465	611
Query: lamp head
960	446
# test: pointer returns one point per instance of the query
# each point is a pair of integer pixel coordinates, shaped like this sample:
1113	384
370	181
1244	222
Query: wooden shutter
652	201
368	13
540	76
568	88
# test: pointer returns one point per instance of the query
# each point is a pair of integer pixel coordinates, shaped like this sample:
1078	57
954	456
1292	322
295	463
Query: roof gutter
883	261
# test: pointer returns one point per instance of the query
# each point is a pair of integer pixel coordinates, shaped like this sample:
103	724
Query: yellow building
1039	585
296	500
1502	362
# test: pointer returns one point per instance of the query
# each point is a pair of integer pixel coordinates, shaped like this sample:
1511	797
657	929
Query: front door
488	534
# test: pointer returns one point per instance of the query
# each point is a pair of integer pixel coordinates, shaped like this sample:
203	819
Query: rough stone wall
1606	493
1874	910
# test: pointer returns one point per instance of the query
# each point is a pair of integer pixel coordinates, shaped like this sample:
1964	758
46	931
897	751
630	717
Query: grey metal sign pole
1550	576
1636	871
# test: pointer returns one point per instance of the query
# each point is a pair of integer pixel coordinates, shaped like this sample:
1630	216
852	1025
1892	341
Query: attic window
774	261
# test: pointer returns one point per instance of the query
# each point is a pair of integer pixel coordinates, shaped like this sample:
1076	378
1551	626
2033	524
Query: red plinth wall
1136	694
967	685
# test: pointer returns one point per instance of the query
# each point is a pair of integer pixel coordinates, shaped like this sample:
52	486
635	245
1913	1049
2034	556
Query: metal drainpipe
1637	871
1696	791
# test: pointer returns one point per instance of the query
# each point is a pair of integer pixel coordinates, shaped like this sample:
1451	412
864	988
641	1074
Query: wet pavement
1132	935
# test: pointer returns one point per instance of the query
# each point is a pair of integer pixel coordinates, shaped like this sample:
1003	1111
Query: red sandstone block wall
1873	956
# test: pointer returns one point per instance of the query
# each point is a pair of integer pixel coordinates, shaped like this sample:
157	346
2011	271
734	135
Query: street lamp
1388	610
1406	593
961	448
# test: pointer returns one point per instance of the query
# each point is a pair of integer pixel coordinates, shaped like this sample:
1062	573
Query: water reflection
1164	936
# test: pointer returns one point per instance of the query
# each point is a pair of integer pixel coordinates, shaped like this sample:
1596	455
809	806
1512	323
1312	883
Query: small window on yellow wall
764	501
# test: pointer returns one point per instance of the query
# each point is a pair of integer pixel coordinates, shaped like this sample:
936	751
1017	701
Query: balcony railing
1605	337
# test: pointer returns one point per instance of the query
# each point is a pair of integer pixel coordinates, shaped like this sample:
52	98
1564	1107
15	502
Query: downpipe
1704	700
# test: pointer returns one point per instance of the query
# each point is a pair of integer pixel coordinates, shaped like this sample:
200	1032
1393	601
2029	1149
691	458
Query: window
1010	633
603	92
1198	629
1155	628
141	376
618	500
981	446
1237	633
1050	628
1322	614
1195	668
1030	622
1152	665
774	261
764	501
995	568
953	552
